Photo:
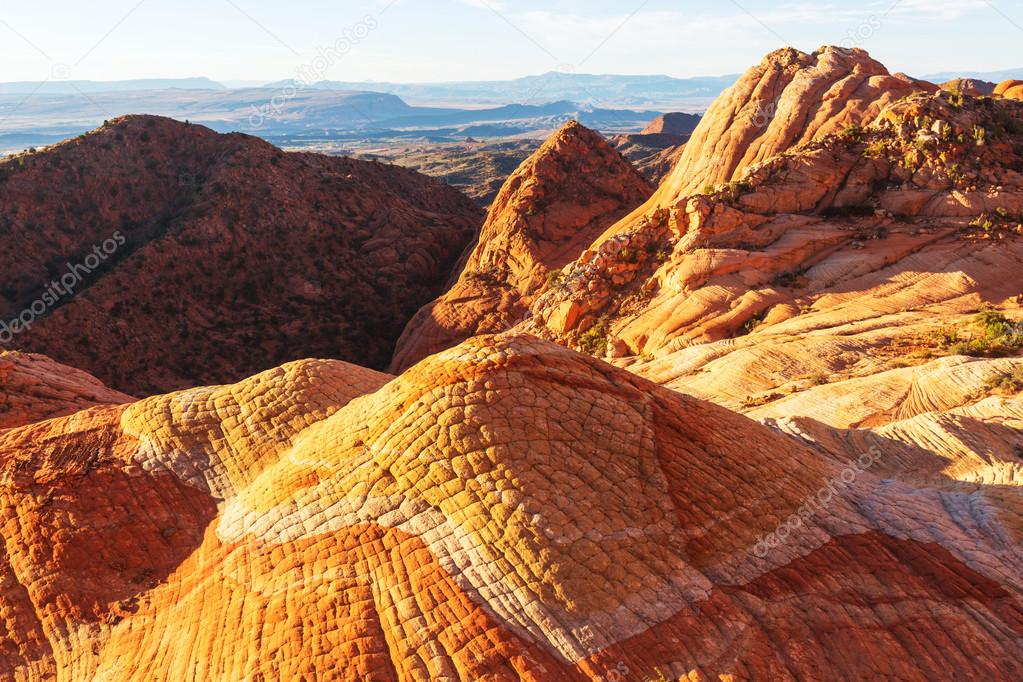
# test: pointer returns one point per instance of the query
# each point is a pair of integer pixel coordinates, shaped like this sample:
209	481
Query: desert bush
852	133
994	335
555	278
594	340
1007	383
628	255
819	379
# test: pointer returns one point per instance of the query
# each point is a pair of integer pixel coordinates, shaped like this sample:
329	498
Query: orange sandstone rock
507	509
1008	88
35	388
551	208
789	99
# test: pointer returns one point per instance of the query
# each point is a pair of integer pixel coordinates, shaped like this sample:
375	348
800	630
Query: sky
445	40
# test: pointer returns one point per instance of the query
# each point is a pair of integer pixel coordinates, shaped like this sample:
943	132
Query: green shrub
852	133
1008	383
789	280
594	340
555	278
819	379
737	189
984	222
997	336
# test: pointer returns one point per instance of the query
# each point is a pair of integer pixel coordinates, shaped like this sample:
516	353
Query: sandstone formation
791	98
655	151
654	156
675	123
1010	89
970	86
192	258
34	388
505	510
551	208
931	194
859	281
802	460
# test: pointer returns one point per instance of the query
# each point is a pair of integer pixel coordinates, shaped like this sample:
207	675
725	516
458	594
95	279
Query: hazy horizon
411	41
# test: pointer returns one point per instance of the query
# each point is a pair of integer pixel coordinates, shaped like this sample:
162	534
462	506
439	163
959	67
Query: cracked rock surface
507	509
34	388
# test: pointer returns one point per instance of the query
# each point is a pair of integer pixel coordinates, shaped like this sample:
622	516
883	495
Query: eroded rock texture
507	509
510	509
196	258
1010	89
789	99
549	210
34	388
896	231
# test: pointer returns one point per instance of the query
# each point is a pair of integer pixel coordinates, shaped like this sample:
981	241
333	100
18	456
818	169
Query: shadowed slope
197	258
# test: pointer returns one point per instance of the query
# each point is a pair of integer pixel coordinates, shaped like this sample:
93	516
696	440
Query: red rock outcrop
674	123
547	212
858	281
196	258
654	156
933	180
34	388
970	86
510	509
506	510
791	98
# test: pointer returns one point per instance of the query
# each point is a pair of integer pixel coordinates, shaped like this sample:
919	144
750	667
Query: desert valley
734	396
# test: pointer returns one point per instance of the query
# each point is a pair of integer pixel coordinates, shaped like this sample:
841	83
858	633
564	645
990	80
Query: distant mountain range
296	116
611	91
661	92
990	76
291	112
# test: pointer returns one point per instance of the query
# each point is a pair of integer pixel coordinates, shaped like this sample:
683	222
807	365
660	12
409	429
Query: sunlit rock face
507	509
557	202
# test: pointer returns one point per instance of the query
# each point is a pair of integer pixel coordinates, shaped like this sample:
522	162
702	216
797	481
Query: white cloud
494	5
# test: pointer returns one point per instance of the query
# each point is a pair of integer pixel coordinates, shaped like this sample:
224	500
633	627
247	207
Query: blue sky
436	40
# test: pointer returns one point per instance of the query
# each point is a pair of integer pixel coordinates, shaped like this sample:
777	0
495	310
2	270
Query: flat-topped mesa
969	86
787	100
674	123
556	203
